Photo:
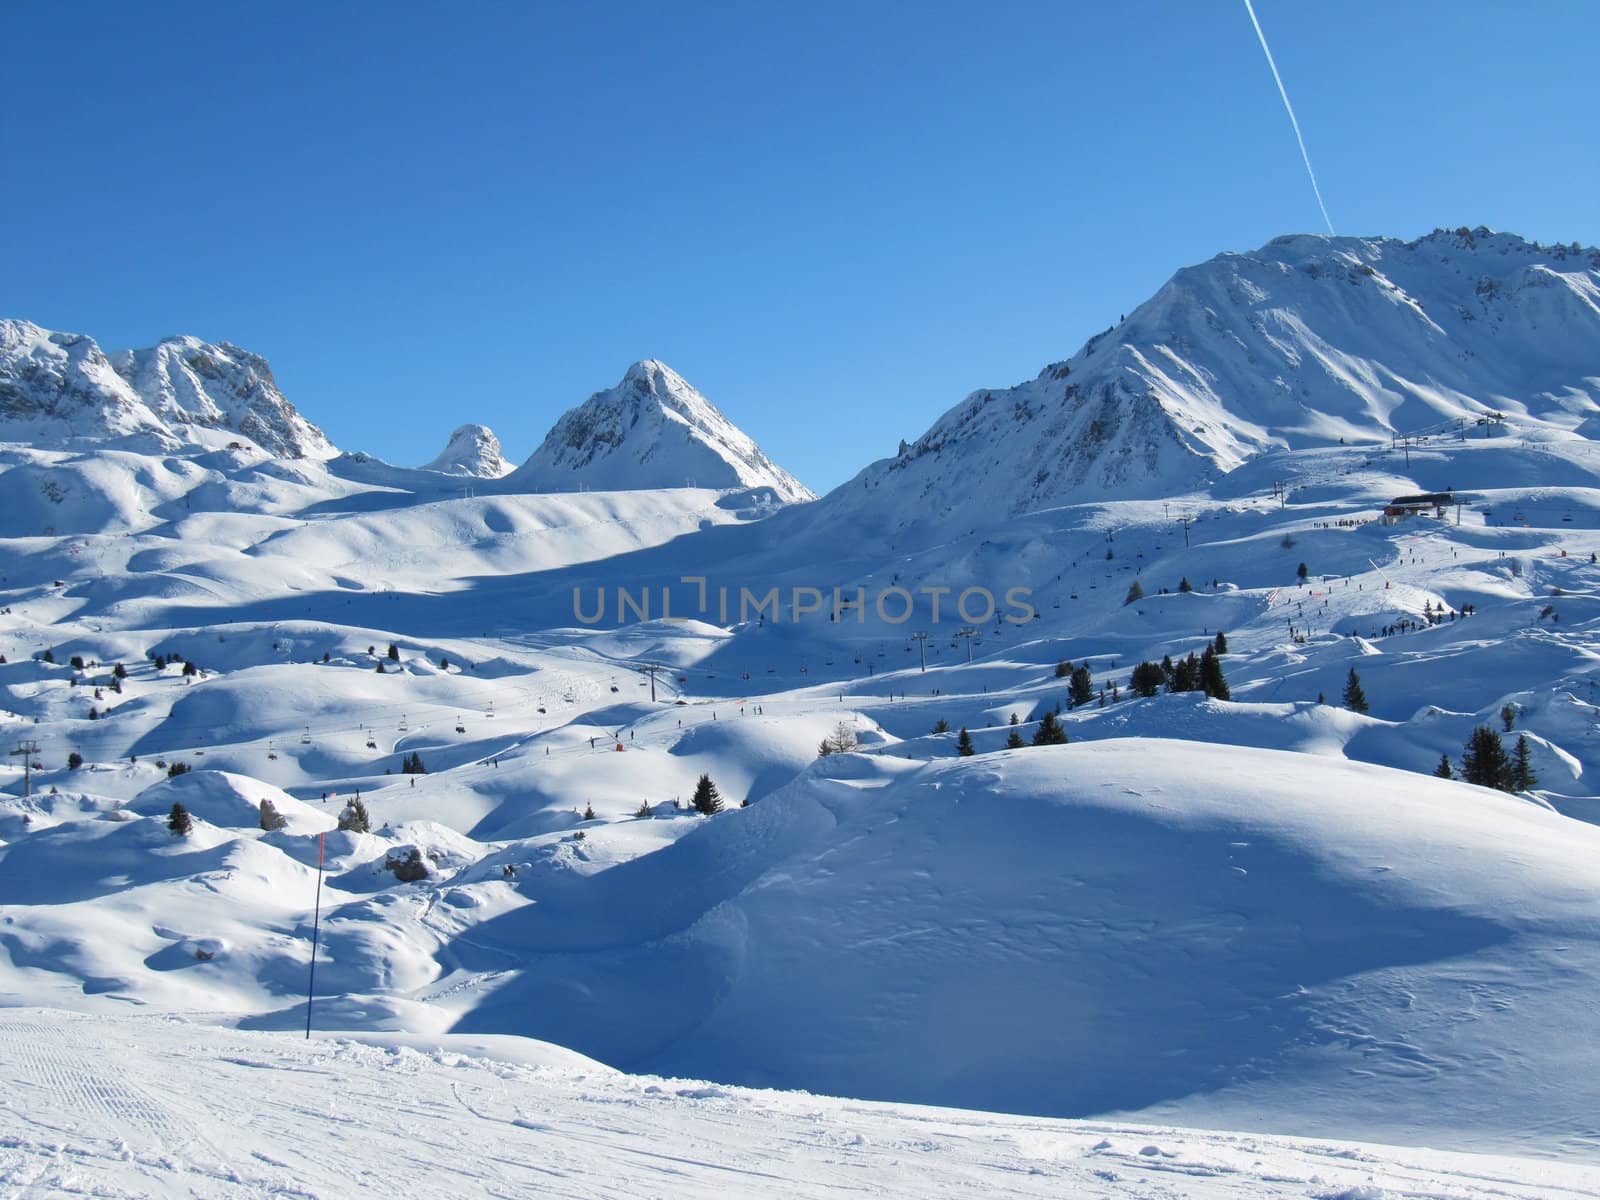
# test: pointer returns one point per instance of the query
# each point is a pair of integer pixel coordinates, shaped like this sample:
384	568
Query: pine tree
707	800
1302	572
1221	644
271	818
1184	585
381	671
1135	592
74	761
327	656
354	817
190	670
1522	773
1354	698
825	749
444	663
1148	678
964	745
1508	717
119	671
1185	676
1050	732
1443	770
1484	760
1081	690
76	662
179	821
1013	720
941	726
644	809
1063	669
1211	678
394	652
1014	741
588	813
176	769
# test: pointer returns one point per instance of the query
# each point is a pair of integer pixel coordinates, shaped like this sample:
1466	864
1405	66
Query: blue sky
834	219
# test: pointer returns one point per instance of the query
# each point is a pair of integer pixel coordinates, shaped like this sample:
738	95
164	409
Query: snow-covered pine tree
1522	773
1484	760
1081	690
707	800
1050	732
1354	698
354	817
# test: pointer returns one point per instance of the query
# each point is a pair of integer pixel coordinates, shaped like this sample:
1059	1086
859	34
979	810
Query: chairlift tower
29	750
968	634
921	640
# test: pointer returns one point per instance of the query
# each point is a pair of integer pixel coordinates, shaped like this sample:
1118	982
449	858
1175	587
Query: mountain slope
1308	341
653	430
60	389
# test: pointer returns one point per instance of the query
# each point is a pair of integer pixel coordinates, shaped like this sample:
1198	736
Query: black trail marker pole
316	923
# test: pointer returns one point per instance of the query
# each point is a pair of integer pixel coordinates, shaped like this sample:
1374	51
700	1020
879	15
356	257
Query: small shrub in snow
74	761
271	818
176	769
354	817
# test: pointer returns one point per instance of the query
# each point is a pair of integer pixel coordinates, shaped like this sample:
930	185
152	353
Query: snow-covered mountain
653	430
1308	341
473	451
61	389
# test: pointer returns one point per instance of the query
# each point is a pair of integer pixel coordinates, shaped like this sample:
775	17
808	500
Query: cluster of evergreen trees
411	764
1484	761
1194	673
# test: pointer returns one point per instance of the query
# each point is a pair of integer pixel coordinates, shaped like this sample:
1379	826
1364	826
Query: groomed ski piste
1208	947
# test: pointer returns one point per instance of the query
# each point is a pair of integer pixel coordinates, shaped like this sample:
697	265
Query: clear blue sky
835	219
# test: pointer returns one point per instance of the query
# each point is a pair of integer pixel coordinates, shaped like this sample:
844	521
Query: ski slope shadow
930	934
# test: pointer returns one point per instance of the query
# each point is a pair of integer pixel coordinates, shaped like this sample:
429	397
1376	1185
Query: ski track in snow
278	1116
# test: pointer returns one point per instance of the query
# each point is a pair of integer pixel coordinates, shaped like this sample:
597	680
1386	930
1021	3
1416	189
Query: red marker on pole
316	922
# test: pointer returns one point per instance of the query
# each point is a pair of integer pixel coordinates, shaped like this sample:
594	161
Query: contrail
1289	108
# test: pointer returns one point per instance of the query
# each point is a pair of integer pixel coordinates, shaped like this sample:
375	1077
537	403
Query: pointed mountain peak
473	451
653	430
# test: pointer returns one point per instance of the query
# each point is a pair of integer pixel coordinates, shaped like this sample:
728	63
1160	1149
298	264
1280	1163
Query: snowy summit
653	430
1308	341
473	451
61	389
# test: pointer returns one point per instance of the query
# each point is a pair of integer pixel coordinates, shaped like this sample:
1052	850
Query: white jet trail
1289	108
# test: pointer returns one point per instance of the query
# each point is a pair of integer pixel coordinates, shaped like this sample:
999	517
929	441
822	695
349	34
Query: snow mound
1206	933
